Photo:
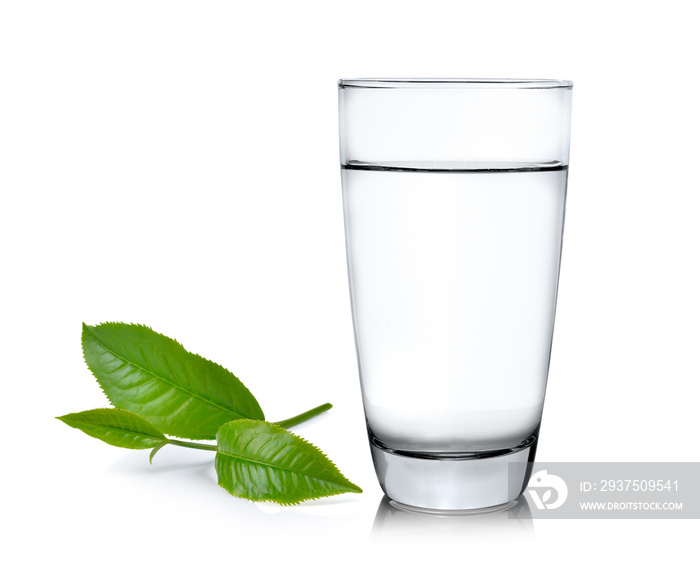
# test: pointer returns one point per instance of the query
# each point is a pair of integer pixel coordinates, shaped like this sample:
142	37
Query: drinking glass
453	196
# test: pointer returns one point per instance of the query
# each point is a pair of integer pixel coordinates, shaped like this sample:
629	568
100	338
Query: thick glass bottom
453	482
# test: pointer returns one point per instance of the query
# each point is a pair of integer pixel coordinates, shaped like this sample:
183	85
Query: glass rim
463	83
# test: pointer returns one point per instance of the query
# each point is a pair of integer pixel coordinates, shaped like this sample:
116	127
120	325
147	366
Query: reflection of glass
392	521
454	194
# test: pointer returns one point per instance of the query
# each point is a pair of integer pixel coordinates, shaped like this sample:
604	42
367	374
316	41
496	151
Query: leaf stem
156	449
304	416
192	445
284	424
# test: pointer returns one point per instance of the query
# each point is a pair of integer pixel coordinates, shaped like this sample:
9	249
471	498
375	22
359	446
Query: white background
176	164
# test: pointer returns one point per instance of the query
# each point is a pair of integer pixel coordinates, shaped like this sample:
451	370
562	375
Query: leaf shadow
168	460
181	471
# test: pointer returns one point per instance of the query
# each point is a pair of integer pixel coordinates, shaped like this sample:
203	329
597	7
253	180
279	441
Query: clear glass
454	193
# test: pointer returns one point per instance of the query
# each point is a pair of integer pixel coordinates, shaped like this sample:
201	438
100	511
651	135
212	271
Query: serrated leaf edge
63	419
287	503
354	489
74	423
86	327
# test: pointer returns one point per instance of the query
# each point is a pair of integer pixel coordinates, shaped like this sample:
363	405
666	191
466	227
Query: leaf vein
166	380
280	467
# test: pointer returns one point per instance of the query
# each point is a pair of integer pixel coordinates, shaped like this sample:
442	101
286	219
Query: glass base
453	483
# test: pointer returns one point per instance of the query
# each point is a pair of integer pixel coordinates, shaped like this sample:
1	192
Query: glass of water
453	195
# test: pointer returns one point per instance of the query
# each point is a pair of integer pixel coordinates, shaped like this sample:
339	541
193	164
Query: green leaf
116	427
156	449
154	376
261	461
